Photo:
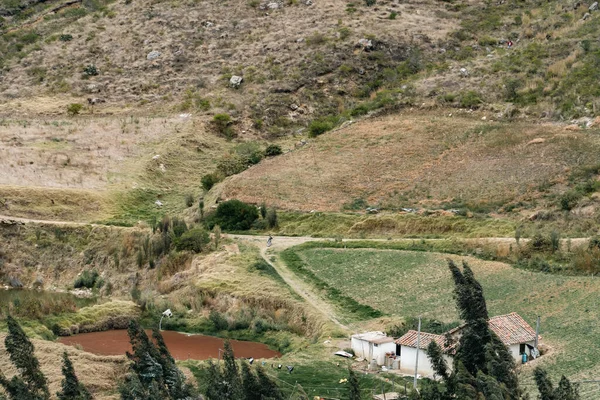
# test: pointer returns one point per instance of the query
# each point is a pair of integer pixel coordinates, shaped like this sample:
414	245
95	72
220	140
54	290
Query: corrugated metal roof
374	337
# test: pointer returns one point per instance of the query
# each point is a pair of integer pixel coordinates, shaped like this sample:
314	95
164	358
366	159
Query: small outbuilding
408	352
373	346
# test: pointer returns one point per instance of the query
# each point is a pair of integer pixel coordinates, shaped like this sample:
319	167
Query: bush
222	124
272	219
218	320
318	127
233	215
273	150
189	200
193	240
209	180
65	37
370	3
231	164
87	279
249	152
74	108
570	199
90	70
470	99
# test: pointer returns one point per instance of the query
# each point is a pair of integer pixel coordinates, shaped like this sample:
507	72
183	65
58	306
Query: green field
406	284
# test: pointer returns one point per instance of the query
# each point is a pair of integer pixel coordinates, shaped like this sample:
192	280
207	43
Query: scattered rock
586	16
536	141
573	127
273	6
208	24
93	88
464	72
293	107
162	168
156	157
300	40
185	116
236	81
366	44
593	7
158	203
153	55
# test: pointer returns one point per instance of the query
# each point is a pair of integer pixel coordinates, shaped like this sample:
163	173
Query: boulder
153	55
593	7
236	81
586	16
366	44
464	72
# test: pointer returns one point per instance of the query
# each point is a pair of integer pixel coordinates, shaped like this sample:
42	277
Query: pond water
181	346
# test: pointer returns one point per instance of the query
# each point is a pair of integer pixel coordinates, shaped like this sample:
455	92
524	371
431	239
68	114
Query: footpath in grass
408	284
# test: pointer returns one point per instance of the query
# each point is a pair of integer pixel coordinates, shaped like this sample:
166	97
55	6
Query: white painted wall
514	350
370	351
408	359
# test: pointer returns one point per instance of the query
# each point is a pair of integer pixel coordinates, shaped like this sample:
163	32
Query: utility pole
537	331
417	357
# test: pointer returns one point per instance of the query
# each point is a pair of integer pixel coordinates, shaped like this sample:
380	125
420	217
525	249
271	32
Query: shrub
272	219
370	3
222	124
231	164
233	215
569	199
393	15
65	37
318	127
218	320
249	152
193	240
470	99
209	180
189	200
273	150
90	70
74	108
87	279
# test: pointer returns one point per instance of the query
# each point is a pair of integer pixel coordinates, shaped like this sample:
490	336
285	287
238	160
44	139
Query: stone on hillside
593	7
366	44
153	55
464	72
586	16
536	141
273	6
236	81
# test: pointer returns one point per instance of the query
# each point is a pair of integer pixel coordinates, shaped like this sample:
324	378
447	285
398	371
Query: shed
408	352
373	345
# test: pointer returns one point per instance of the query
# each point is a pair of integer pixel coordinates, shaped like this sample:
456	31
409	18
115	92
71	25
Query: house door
398	349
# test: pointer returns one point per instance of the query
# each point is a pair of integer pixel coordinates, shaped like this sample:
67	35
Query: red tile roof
409	339
512	329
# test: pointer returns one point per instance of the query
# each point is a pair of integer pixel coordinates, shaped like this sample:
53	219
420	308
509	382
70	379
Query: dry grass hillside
431	160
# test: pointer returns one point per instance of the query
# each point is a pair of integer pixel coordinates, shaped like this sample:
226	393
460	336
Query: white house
515	333
373	345
408	352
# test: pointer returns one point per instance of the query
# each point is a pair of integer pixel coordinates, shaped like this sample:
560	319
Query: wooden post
417	357
537	331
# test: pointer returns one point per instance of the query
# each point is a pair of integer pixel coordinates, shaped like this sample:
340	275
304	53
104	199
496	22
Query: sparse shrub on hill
272	218
193	240
189	200
470	99
87	279
319	126
249	152
90	70
222	124
74	108
233	215
65	37
209	180
273	150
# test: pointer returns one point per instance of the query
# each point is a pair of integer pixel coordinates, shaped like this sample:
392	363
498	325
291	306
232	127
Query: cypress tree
353	382
231	373
566	390
268	388
300	393
216	386
173	377
250	384
21	352
544	384
72	389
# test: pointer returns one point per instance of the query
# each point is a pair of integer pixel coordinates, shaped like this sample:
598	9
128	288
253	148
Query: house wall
380	350
514	350
408	357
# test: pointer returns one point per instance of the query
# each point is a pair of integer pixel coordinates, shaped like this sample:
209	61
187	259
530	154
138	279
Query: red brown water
181	346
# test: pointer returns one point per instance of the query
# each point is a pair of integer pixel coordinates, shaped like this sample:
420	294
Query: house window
375	344
522	348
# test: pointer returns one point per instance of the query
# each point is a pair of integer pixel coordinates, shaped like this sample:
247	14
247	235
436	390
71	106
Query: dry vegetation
425	160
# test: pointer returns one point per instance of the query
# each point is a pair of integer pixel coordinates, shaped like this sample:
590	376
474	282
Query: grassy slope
417	283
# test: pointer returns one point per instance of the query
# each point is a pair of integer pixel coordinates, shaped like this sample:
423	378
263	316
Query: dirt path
306	291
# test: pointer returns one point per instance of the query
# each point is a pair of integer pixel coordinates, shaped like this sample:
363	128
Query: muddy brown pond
181	346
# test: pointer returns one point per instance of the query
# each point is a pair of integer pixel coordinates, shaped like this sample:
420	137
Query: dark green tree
31	384
353	385
216	385
566	390
544	384
268	388
173	377
250	384
72	389
231	373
